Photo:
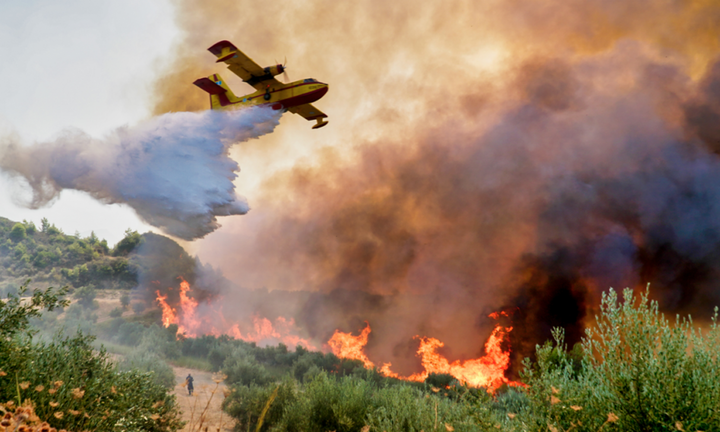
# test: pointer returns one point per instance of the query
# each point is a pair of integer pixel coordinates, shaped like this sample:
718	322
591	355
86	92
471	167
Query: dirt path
194	406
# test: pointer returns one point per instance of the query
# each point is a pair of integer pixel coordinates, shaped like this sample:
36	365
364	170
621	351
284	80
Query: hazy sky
77	64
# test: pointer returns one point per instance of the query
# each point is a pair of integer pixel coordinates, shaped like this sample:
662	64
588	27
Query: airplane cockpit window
310	80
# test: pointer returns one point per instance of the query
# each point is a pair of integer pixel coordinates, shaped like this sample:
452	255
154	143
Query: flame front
168	313
191	323
487	371
345	345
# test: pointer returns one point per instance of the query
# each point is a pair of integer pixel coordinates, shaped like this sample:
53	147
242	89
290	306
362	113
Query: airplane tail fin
220	93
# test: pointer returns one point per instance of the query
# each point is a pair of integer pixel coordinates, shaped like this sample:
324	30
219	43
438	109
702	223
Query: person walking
189	380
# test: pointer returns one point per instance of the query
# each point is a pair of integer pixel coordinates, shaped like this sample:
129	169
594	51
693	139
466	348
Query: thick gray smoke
173	170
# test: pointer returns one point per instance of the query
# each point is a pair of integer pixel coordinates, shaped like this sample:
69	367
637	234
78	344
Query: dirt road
195	409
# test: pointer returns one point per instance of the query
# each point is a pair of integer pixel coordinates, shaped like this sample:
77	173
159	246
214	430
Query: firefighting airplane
294	97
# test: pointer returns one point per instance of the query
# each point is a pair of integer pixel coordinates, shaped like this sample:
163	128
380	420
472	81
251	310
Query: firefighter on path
189	381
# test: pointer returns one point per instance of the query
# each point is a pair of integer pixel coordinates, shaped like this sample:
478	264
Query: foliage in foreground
71	385
349	403
634	371
638	373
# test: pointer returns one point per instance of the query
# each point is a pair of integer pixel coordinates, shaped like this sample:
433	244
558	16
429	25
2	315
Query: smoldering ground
173	170
480	156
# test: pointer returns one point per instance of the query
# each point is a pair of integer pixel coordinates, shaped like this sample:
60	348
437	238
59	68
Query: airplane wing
243	66
309	112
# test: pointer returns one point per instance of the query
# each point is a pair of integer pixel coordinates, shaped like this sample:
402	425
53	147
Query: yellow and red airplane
295	97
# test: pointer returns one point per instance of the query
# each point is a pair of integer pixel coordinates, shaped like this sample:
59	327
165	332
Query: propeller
286	78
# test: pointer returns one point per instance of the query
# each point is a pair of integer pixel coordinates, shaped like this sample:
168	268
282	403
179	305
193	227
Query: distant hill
50	257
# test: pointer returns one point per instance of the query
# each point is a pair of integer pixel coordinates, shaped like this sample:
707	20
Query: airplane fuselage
279	97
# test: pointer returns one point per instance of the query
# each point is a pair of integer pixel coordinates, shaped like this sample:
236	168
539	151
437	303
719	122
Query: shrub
138	307
86	296
18	233
246	403
130	333
403	408
440	380
82	384
638	372
30	227
116	312
125	300
245	370
145	361
131	240
74	312
330	403
161	341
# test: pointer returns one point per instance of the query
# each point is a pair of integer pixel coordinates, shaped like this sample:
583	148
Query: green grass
147	318
191	363
113	348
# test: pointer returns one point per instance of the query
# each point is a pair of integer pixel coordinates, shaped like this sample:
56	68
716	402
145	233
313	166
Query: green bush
30	227
138	307
245	370
18	232
161	341
329	403
131	240
403	408
116	312
638	373
246	403
125	300
440	380
144	361
130	333
86	296
87	392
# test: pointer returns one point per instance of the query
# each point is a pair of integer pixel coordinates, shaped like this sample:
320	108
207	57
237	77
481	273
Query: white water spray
173	170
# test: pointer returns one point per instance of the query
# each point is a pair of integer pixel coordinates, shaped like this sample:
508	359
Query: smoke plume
173	170
511	155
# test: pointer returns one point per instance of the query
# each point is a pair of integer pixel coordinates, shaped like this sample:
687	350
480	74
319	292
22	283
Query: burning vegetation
487	371
191	324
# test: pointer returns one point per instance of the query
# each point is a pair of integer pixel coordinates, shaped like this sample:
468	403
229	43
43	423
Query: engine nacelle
274	70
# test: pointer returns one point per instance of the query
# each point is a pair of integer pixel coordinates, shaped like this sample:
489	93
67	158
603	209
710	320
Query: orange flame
265	330
487	371
345	345
188	305
168	313
192	324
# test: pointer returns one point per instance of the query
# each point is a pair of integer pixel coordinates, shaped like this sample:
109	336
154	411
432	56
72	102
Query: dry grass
202	411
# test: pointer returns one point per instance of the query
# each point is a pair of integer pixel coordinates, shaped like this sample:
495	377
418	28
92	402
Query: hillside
48	256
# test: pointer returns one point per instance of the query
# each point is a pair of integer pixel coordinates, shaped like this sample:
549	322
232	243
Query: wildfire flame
192	324
487	371
168	313
265	330
345	345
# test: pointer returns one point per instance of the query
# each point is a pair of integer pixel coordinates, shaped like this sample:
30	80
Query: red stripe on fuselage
304	98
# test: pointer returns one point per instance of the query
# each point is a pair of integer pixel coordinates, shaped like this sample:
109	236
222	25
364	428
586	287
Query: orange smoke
192	324
487	371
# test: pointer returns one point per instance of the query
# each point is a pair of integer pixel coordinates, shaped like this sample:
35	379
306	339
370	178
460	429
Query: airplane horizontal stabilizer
209	86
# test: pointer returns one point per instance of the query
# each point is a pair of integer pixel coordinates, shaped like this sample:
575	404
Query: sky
78	64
